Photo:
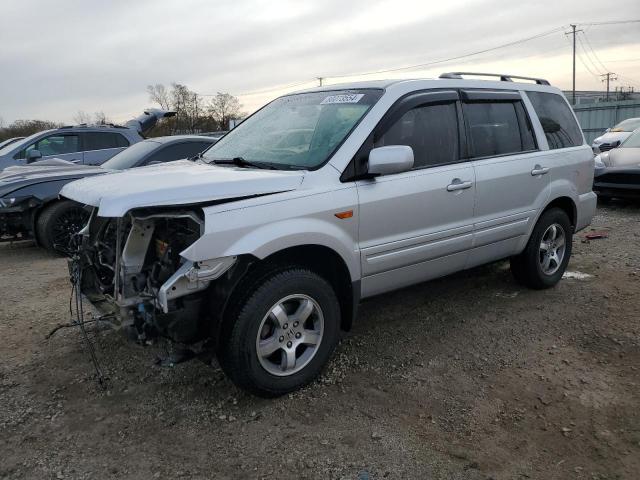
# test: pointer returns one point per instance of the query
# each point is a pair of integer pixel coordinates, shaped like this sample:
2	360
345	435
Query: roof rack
503	77
94	125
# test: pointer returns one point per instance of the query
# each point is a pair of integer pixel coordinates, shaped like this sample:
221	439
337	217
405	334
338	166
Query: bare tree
101	118
224	107
159	94
24	128
188	107
192	114
82	117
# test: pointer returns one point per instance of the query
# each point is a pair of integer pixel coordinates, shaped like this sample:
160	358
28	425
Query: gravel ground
467	377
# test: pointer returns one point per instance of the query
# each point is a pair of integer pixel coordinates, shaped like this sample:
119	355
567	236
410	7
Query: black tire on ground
526	267
56	224
238	351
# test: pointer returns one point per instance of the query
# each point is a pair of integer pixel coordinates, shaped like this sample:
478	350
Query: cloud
61	57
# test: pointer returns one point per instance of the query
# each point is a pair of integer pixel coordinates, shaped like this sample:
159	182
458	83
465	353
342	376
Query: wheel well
566	204
329	265
35	215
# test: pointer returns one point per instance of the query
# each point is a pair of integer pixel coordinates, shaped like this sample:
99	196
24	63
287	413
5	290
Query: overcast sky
59	57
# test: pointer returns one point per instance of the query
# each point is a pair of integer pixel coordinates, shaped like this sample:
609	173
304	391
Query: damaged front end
131	269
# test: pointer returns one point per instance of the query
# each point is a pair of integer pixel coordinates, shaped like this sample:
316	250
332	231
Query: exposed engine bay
132	272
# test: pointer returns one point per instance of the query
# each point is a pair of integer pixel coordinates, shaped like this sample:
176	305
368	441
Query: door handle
457	184
538	170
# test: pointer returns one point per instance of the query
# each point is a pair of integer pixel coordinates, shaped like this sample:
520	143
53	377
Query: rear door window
430	130
104	140
558	123
498	128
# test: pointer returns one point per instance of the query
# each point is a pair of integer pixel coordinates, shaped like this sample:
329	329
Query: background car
613	137
81	144
8	141
29	203
617	171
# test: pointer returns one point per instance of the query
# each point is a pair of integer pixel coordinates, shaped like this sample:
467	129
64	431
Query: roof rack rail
503	77
95	125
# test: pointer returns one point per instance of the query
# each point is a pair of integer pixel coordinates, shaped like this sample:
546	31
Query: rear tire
545	258
280	334
57	224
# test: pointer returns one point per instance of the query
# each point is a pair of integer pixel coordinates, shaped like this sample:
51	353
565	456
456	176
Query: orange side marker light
344	215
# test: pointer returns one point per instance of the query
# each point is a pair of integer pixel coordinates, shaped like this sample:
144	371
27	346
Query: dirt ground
467	377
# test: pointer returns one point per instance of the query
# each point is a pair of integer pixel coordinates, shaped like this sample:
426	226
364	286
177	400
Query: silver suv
265	246
81	144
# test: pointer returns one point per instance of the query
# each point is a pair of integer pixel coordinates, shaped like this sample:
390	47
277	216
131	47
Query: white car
265	248
613	137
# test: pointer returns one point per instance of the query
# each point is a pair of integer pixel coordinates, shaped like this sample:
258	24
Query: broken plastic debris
576	275
596	235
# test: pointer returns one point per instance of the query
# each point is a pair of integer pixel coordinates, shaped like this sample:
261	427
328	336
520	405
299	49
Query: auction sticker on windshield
343	98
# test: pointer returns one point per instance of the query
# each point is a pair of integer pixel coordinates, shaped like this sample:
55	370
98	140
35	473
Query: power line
624	60
445	60
629	80
593	64
612	22
584	34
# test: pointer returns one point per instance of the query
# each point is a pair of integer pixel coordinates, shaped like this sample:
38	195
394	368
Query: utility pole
320	79
609	77
573	32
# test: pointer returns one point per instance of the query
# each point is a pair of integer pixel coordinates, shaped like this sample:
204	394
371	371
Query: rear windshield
131	156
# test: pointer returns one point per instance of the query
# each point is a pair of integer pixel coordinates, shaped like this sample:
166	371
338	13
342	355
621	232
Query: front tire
545	258
281	333
57	223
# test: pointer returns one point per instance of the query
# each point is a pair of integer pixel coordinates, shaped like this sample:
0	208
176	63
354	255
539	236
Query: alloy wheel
290	335
552	249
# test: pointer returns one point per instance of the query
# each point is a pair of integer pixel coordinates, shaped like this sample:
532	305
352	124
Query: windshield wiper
241	162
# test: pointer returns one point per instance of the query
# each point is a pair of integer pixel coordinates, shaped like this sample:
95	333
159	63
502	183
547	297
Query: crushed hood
176	183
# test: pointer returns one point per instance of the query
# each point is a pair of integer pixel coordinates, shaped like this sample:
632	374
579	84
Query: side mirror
33	155
607	130
391	159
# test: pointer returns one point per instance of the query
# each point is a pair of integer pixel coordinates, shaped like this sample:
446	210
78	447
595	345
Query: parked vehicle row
81	144
265	245
614	136
29	195
617	171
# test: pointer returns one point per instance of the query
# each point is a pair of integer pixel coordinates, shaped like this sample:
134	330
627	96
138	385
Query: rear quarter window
557	120
104	140
498	128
